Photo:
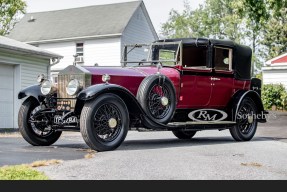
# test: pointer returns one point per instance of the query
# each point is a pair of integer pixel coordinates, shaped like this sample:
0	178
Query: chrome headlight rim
46	87
73	87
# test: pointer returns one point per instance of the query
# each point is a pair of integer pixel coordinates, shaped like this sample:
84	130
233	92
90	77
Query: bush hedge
274	95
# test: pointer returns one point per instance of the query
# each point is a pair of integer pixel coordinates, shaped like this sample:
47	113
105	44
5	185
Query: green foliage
209	20
10	10
259	76
274	95
20	172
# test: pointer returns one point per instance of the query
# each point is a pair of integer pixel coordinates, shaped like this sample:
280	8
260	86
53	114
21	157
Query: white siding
105	52
275	77
30	68
139	30
26	69
6	95
66	49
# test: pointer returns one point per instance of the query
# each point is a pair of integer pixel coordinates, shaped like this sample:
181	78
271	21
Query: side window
195	57
222	59
168	56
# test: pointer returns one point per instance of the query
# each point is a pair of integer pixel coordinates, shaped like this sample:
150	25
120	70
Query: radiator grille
64	79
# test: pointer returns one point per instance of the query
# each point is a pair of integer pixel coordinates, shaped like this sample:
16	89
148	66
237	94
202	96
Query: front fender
96	90
130	100
32	91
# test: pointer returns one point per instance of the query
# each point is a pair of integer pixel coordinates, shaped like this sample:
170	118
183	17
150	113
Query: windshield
166	53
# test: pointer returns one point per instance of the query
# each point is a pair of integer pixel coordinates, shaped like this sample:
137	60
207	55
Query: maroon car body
179	85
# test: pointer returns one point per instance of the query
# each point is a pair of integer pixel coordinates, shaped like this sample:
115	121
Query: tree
275	33
10	10
254	15
215	19
269	25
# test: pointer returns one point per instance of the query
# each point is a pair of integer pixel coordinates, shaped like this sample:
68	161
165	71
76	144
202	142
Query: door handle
215	79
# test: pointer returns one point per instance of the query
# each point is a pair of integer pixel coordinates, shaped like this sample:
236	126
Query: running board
202	123
189	125
200	126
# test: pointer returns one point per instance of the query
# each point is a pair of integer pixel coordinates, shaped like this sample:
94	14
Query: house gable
280	60
139	29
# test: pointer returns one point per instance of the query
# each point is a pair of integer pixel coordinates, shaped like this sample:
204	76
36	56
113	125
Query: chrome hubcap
113	123
164	101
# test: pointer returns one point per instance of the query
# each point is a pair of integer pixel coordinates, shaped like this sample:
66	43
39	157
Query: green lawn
21	172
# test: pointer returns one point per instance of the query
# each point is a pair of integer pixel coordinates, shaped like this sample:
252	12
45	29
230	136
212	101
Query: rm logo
207	115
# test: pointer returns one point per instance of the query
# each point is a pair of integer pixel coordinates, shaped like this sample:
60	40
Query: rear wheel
34	126
185	135
105	122
246	120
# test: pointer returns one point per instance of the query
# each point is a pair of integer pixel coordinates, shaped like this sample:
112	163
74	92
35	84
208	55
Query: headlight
73	87
46	87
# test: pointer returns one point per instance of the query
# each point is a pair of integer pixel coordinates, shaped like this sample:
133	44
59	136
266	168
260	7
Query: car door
222	79
195	91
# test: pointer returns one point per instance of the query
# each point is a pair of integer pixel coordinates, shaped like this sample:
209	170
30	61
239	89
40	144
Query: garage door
6	95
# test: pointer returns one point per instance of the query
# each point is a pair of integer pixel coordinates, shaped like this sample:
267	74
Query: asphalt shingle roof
13	45
77	22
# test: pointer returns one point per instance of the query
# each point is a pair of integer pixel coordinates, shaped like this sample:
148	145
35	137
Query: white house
20	64
96	33
275	71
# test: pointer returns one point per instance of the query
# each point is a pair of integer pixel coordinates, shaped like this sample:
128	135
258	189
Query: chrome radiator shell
68	74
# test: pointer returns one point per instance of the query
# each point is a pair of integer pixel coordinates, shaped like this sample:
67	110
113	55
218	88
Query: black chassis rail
139	115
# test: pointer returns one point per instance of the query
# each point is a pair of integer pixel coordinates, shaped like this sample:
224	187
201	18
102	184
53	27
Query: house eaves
10	45
75	39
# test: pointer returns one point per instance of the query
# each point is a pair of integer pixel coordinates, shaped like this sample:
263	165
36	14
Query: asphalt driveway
159	155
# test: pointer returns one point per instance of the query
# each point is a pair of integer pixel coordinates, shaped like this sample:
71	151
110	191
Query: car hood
130	77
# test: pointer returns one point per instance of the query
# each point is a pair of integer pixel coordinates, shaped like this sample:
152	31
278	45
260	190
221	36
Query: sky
158	9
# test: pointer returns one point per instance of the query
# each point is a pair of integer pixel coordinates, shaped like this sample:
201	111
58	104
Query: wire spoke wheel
159	101
34	124
107	122
39	123
157	97
246	121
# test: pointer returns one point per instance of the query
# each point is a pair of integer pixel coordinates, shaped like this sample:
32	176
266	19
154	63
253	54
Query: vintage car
178	85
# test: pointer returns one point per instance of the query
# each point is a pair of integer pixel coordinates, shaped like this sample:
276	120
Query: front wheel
34	125
105	122
184	135
246	120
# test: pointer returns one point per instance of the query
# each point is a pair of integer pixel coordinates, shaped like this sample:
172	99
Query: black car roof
202	42
242	55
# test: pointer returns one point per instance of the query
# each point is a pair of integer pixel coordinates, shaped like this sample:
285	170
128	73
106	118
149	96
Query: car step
202	123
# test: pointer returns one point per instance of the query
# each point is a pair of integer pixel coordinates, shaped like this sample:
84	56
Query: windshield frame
148	59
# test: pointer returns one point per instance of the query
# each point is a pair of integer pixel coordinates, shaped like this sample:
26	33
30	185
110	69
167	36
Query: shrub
274	94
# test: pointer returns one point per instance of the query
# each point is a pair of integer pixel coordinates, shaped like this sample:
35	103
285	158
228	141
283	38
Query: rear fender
32	91
239	97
